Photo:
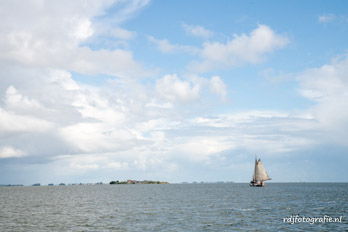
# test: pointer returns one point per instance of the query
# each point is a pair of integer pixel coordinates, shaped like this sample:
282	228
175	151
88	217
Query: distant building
132	181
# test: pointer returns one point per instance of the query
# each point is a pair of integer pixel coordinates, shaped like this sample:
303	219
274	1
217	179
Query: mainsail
260	173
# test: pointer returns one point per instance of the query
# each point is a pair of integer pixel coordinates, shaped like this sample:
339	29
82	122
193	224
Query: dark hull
254	184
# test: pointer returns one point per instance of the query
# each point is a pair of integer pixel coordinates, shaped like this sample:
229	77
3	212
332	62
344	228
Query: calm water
174	207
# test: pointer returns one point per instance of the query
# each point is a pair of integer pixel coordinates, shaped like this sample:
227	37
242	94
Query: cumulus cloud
12	122
50	35
13	99
66	117
44	112
172	88
137	130
40	48
93	137
198	31
241	49
327	87
203	148
218	87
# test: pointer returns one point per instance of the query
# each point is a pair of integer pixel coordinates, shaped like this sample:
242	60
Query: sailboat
260	175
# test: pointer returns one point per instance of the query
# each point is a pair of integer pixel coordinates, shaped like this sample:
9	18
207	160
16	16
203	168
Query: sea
175	207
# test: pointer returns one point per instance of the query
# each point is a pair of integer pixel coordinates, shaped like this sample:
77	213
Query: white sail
260	173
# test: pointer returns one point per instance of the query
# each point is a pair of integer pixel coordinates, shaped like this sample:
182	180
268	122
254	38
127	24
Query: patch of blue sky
102	42
95	80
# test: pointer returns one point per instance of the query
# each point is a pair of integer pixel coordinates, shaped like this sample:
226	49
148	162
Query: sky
175	91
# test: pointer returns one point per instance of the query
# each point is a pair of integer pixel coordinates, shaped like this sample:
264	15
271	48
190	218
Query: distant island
11	185
138	182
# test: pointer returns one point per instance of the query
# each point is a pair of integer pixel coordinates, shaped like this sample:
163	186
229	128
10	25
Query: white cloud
268	132
175	89
126	10
163	45
93	137
172	88
166	47
91	105
123	33
10	152
241	49
88	162
83	30
118	165
64	79
13	99
198	31
327	86
218	87
33	52
203	148
11	122
332	18
326	18
139	127
50	35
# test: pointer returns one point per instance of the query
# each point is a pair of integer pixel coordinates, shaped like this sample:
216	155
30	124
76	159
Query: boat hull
256	184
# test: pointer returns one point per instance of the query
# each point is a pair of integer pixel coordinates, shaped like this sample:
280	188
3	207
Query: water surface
173	207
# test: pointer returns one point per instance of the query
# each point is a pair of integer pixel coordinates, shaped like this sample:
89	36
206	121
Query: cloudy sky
173	90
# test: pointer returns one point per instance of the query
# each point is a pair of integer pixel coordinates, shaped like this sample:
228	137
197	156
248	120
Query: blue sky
173	90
